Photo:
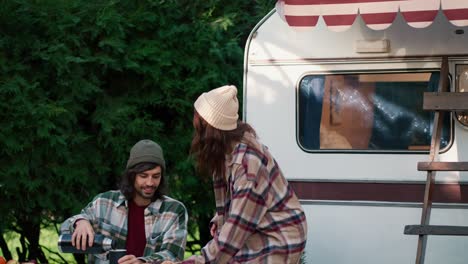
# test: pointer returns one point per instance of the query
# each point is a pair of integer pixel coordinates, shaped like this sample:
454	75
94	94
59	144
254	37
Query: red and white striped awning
339	15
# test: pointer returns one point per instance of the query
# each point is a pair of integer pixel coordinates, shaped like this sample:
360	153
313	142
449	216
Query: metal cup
115	254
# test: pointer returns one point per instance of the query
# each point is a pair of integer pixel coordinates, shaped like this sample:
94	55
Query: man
152	227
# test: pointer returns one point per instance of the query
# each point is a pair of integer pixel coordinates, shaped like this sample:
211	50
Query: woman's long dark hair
128	180
210	145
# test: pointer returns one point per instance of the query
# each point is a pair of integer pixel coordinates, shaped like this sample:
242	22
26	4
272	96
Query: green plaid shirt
165	225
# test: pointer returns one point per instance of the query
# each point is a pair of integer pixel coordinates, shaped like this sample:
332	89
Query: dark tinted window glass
367	112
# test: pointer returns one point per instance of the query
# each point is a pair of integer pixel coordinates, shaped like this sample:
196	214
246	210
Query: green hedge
81	81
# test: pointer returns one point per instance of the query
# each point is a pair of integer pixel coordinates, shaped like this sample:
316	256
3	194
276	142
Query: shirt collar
152	207
121	200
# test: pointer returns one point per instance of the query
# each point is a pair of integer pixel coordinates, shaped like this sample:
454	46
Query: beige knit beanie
219	107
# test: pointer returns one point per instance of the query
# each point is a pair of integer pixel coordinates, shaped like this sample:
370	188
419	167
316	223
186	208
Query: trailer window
381	112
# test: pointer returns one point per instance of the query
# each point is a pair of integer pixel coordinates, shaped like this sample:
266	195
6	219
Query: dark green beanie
146	151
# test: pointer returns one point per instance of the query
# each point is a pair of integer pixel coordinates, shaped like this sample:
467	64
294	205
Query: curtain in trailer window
310	109
381	112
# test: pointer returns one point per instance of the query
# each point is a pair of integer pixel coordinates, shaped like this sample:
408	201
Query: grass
48	241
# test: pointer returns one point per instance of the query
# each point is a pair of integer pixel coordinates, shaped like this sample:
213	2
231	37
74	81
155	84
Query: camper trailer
336	91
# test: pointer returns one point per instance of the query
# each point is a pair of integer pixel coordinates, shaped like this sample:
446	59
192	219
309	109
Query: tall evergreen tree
82	81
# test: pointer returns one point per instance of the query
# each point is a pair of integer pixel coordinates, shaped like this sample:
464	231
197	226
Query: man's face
146	184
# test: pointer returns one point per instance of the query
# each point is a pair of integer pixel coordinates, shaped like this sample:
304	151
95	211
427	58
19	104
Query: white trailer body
342	114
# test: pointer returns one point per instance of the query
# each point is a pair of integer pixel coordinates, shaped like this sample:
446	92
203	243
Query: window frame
450	115
458	115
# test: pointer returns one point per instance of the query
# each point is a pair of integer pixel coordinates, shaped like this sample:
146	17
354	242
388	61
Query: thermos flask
101	244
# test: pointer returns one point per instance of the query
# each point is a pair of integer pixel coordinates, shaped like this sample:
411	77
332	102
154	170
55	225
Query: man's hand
83	231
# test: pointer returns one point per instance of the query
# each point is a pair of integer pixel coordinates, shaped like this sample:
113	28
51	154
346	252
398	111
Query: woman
258	216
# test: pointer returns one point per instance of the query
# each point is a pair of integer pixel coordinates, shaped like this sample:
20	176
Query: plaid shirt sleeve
68	226
247	207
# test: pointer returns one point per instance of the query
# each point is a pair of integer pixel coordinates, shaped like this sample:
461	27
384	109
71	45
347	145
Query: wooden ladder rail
440	102
433	153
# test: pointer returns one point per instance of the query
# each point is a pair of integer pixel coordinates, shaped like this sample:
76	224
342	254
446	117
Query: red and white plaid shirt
258	215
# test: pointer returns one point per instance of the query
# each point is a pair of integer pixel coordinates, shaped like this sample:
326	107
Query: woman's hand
213	229
129	259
